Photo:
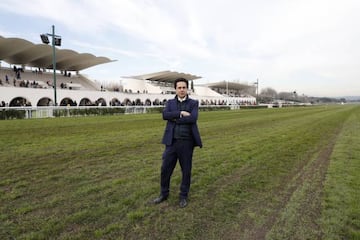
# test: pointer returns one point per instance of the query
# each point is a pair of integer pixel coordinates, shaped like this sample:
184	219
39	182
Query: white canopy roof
165	76
23	52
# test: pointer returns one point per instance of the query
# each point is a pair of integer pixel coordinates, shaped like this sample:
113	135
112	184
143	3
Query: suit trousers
181	150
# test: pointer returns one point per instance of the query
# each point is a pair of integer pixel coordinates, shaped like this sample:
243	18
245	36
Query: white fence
69	111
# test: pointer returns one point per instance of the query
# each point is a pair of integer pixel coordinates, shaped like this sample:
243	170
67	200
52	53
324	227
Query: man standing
180	137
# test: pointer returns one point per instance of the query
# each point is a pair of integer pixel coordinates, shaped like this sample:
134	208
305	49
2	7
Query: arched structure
67	102
45	101
85	102
19	102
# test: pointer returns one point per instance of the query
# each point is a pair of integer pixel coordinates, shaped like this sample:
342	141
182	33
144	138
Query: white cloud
277	41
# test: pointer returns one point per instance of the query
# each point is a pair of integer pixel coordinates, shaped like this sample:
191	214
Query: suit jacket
171	113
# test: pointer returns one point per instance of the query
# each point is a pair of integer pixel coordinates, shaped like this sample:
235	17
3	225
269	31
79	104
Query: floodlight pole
56	40
54	62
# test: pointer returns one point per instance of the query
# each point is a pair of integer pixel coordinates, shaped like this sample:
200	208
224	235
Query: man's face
181	89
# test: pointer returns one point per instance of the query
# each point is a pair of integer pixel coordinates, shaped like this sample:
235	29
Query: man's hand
184	114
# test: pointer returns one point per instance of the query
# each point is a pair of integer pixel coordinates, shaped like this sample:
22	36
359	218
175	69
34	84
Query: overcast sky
307	46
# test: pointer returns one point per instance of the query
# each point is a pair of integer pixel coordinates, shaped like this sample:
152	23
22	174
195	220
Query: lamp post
56	41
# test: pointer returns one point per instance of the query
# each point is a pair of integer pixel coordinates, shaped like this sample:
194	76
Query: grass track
270	173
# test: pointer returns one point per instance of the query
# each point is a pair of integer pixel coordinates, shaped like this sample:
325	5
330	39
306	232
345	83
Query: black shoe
183	203
159	199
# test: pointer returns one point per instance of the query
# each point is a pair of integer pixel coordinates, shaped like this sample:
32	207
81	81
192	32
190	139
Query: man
180	137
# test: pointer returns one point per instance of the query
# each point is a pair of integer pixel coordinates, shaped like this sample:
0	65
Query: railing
68	111
72	111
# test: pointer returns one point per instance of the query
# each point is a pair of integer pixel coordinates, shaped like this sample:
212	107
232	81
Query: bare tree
286	95
268	95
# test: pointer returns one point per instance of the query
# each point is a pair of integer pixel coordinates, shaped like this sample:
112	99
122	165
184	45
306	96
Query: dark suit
176	148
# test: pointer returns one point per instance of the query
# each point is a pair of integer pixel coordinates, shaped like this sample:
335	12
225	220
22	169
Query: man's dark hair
181	80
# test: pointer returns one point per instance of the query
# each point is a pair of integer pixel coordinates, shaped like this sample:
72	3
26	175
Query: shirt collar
182	99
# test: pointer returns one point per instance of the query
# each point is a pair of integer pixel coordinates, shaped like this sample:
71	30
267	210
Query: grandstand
28	81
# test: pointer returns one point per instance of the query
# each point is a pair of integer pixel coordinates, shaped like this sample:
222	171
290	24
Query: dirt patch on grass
259	218
308	209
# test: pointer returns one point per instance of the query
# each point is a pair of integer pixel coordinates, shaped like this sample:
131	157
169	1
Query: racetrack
290	173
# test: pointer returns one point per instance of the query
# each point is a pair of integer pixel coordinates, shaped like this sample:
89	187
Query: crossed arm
181	117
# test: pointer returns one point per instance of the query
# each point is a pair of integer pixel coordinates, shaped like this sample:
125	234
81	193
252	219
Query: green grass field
290	173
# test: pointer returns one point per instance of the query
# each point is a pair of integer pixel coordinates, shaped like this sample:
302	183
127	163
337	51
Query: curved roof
21	51
165	76
230	85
